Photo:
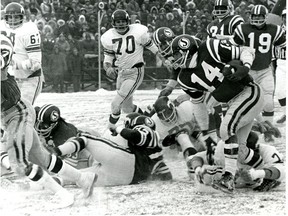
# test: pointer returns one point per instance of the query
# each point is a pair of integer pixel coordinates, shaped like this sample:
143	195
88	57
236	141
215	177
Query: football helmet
14	15
47	118
6	51
163	37
183	47
258	15
134	119
222	8
165	110
120	21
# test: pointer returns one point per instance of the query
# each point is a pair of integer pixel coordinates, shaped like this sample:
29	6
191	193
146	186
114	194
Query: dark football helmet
47	118
258	15
222	8
120	20
183	47
165	110
14	15
133	119
163	37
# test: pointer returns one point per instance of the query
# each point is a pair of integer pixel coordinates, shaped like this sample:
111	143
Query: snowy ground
178	197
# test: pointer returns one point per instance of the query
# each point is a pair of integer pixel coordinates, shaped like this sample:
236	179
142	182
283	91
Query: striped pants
23	144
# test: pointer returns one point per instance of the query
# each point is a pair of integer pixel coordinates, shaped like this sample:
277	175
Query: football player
25	152
26	60
264	178
280	85
262	37
55	130
222	27
136	157
208	67
180	124
125	43
225	23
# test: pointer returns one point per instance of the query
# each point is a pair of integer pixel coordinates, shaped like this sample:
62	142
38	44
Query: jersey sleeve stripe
239	32
149	43
212	46
33	49
109	52
235	21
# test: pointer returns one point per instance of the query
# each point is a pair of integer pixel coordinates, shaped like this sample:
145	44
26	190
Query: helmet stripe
42	111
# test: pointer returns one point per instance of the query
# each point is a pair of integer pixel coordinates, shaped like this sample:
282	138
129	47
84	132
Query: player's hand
166	91
199	173
111	72
168	64
235	72
112	128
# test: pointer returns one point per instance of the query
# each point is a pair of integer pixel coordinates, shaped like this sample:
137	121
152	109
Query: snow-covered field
178	197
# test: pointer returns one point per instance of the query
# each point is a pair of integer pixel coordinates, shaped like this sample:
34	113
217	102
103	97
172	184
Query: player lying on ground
265	177
135	158
179	122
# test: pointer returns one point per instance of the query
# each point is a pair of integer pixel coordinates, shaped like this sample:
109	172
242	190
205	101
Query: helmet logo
184	43
149	122
168	33
54	116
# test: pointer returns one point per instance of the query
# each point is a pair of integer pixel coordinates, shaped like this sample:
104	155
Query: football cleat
86	182
225	183
281	120
267	185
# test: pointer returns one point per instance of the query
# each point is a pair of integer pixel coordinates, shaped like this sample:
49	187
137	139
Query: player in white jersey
124	44
268	175
280	86
182	125
27	57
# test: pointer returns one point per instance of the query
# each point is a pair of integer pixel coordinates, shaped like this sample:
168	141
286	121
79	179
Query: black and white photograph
143	107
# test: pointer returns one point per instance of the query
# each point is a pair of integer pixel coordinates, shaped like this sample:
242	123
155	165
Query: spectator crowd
69	28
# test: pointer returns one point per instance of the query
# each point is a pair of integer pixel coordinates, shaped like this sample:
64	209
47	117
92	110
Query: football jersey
224	27
10	92
148	154
127	49
59	135
262	40
27	42
269	154
185	122
206	75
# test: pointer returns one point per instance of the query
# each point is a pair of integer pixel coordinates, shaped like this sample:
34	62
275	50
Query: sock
5	160
73	146
113	118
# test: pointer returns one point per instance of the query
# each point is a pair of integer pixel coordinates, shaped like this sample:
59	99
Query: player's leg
117	162
280	89
126	85
235	128
30	88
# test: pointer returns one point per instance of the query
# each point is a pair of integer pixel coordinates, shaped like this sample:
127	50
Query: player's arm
109	56
172	83
140	136
238	36
31	43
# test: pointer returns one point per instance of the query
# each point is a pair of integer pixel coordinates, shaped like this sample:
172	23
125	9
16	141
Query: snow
179	197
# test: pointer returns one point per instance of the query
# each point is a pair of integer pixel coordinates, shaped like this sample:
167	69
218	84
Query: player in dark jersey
136	157
208	67
26	155
55	130
225	23
262	37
